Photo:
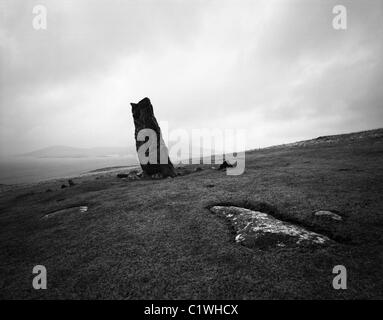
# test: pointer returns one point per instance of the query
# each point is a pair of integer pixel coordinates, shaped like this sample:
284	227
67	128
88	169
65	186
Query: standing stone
144	118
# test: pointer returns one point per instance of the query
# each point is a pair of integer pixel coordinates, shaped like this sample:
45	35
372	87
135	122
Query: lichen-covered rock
258	229
144	118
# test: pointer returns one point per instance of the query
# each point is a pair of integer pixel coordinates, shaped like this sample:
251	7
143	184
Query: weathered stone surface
144	118
328	214
258	229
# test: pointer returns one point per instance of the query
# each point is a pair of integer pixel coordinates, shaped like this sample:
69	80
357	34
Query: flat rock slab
328	214
258	229
66	211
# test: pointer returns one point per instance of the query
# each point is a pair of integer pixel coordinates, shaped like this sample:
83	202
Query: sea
20	170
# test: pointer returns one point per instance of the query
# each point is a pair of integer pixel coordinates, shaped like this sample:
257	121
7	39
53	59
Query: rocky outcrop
259	229
144	118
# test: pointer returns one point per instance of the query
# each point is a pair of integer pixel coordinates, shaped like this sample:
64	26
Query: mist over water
29	170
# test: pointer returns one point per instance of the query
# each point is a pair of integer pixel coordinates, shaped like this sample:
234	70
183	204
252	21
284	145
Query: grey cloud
203	63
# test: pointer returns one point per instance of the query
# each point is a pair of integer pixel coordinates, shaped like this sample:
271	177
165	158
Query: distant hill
346	138
72	152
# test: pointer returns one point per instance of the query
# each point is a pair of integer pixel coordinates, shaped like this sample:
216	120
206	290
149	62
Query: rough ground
158	239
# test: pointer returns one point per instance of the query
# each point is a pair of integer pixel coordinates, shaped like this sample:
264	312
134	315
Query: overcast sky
277	69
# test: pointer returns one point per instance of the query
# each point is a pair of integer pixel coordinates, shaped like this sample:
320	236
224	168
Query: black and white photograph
191	150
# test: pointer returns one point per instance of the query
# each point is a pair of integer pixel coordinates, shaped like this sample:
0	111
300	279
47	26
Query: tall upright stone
144	118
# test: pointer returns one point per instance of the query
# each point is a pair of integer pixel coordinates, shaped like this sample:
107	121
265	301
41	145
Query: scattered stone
122	175
157	176
140	174
210	186
225	165
71	183
133	176
144	118
258	229
328	214
83	208
48	190
66	211
198	169
63	186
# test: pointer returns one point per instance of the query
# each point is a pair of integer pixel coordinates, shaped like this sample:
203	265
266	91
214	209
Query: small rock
65	211
225	165
198	169
210	186
63	186
157	176
83	208
122	175
328	214
133	177
71	183
48	190
140	174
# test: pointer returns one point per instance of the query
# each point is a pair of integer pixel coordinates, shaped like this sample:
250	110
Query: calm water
27	170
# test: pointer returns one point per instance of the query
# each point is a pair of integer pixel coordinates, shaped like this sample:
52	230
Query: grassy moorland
157	239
